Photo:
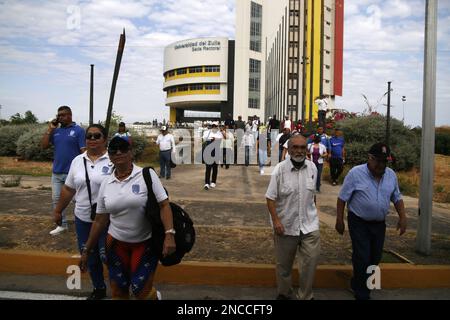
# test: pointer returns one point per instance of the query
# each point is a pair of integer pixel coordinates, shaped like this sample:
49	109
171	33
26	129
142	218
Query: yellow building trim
313	57
308	54
192	92
317	68
173	115
193	75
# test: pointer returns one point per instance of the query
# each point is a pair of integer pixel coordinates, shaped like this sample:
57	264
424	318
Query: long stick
91	98
114	82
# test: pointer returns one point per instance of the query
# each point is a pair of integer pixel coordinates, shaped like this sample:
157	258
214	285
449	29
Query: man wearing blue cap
369	189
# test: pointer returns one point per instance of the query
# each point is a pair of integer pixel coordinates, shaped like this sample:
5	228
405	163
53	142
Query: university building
285	54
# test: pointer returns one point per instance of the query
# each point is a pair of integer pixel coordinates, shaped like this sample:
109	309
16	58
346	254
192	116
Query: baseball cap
163	128
380	150
118	143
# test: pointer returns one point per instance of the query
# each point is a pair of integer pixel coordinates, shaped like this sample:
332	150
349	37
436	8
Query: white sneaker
158	295
206	187
213	185
58	230
261	171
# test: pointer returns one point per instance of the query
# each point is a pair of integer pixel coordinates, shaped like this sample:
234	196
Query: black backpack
182	223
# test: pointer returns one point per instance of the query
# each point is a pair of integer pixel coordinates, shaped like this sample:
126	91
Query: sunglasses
122	149
94	136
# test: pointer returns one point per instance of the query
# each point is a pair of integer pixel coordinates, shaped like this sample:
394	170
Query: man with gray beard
291	203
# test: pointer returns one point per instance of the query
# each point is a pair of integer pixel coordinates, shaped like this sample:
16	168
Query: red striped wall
339	48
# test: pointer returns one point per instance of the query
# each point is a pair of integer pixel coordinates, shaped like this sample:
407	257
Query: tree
30	117
16	119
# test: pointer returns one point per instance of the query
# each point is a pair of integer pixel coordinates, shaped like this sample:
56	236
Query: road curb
234	274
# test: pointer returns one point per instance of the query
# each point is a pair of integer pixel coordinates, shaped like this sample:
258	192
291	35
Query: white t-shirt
76	179
322	103
165	142
287	124
322	151
209	134
125	202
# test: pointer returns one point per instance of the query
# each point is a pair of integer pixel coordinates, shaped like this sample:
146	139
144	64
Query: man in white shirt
166	144
291	203
322	103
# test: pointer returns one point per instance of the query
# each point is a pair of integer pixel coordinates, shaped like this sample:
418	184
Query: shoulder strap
152	202
88	182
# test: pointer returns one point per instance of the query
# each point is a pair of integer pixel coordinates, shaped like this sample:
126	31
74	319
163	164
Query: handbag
88	184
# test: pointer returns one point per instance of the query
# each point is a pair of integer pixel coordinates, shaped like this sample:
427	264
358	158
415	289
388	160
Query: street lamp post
388	116
403	100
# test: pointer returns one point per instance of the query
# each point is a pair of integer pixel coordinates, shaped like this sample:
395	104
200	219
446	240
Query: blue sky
46	48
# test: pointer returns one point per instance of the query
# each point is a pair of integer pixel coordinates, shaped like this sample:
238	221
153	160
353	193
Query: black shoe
168	178
97	294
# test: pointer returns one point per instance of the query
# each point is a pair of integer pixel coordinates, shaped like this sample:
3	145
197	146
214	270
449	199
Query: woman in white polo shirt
95	162
121	204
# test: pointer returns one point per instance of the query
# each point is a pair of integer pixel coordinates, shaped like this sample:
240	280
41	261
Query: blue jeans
95	265
319	167
164	163
262	157
247	156
58	180
367	244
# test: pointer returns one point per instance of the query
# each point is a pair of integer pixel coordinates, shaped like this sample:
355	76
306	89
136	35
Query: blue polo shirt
67	142
336	145
367	198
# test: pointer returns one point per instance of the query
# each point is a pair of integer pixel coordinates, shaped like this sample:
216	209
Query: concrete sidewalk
17	286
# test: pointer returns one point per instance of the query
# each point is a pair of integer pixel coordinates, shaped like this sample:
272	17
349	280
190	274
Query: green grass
24	172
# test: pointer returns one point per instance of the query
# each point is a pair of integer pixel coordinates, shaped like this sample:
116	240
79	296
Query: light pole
388	116
403	100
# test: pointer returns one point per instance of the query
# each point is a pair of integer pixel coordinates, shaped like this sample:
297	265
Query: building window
183	88
254	84
212	86
212	69
255	27
181	71
195	69
253	103
195	87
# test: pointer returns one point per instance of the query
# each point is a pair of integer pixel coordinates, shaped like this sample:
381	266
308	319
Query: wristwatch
172	231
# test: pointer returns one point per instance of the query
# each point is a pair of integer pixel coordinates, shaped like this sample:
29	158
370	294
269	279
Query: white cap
163	128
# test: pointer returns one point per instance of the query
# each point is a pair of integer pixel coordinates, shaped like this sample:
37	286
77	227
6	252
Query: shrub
442	143
9	136
139	141
361	132
11	181
29	145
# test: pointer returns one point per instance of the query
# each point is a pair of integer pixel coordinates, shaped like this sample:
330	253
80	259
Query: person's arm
401	225
277	226
169	245
100	223
283	155
66	196
45	142
344	154
340	225
81	140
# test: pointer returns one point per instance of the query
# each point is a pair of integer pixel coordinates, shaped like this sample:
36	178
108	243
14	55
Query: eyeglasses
122	149
378	160
59	115
94	136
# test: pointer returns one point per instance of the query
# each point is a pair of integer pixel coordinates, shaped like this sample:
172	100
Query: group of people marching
110	196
